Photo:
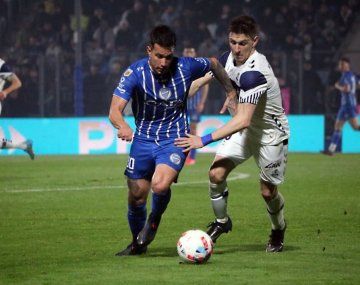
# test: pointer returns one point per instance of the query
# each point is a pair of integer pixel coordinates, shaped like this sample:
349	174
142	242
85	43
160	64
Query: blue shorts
145	155
194	116
346	112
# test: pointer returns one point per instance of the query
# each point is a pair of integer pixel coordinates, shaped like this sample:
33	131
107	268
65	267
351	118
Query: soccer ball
194	246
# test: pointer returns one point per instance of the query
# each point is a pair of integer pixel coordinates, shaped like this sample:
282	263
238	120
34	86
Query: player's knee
268	190
216	176
159	187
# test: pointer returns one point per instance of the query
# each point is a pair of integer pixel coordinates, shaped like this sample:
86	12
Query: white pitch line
237	176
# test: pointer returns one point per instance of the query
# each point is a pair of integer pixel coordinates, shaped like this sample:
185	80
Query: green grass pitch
63	218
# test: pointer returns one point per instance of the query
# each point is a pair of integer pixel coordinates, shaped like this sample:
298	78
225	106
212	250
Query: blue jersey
348	98
158	103
194	101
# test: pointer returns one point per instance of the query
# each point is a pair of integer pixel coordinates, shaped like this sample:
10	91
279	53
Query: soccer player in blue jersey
158	86
195	105
8	76
347	111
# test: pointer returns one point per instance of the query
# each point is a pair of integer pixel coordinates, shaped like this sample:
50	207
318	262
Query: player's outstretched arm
15	84
224	80
200	82
116	118
240	121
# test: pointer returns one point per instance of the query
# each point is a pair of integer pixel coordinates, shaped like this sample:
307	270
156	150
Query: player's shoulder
223	58
253	71
188	61
136	67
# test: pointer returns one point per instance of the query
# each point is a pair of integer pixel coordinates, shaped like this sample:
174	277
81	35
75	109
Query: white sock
219	194
7	144
275	209
332	147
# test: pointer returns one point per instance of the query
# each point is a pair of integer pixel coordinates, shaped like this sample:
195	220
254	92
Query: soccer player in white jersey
6	75
158	86
259	128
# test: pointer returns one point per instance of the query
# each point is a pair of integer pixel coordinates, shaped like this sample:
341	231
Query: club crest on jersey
175	158
128	72
165	93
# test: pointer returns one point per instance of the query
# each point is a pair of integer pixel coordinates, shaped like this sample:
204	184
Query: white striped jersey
257	84
158	103
5	73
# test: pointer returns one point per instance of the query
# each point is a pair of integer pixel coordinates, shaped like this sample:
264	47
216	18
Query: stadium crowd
41	33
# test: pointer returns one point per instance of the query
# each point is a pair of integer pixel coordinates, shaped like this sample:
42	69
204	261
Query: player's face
160	58
189	52
343	66
242	46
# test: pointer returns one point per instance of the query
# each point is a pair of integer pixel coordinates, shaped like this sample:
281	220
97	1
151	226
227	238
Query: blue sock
192	154
136	218
159	205
335	138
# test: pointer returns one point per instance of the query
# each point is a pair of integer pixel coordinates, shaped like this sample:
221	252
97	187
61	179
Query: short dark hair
163	36
244	25
346	59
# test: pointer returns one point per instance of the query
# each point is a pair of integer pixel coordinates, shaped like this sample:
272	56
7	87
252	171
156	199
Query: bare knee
216	176
138	192
268	190
159	187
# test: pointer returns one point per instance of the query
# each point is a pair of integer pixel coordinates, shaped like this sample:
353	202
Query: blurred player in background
259	128
347	111
6	75
158	86
195	105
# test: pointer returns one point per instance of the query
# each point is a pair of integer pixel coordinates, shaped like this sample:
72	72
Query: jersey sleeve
223	58
5	70
252	85
199	66
127	85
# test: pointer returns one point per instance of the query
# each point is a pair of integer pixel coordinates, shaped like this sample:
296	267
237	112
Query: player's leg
336	136
354	123
272	162
230	153
139	170
169	162
26	146
137	197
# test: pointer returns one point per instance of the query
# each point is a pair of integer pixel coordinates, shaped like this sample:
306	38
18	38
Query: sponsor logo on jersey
165	93
175	158
273	164
128	72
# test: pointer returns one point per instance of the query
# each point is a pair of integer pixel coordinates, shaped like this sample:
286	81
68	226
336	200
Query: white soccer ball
195	246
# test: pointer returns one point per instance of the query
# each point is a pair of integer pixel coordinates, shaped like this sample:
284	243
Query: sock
159	205
335	138
275	208
219	194
6	144
136	218
192	154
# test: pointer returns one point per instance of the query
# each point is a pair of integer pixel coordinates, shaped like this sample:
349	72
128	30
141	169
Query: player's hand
125	133
188	143
2	95
230	104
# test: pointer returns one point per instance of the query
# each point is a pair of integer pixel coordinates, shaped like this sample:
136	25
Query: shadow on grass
248	248
223	249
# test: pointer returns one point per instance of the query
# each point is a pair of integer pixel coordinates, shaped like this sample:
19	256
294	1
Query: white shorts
271	159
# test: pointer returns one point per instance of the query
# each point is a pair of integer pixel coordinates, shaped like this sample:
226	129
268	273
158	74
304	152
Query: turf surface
63	218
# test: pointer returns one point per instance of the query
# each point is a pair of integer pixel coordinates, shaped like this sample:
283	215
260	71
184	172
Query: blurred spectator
95	98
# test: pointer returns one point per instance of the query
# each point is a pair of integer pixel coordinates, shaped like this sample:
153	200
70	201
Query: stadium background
70	72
